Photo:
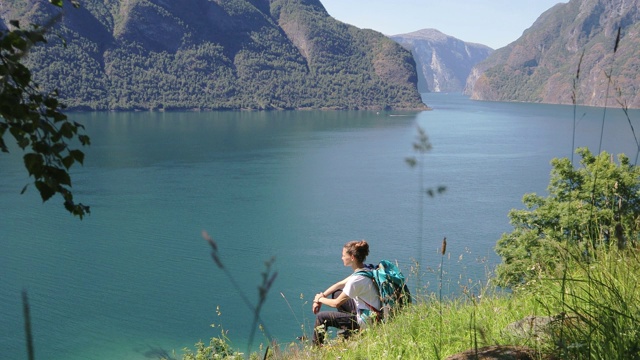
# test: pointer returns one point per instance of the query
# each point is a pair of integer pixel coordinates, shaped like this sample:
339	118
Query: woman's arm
322	298
341	299
331	289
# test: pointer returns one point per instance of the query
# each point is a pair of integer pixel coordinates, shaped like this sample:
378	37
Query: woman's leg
348	307
336	319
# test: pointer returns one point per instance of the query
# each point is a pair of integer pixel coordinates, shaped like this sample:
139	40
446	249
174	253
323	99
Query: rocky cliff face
571	51
215	54
443	62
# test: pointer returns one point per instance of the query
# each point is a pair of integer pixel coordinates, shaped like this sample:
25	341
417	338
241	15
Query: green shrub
597	204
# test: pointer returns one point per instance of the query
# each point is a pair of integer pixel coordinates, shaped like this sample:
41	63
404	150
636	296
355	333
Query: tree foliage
233	56
594	205
35	119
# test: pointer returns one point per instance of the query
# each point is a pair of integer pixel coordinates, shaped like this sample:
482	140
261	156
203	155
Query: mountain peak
425	34
444	62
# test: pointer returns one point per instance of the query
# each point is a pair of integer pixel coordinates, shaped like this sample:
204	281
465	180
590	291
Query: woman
358	298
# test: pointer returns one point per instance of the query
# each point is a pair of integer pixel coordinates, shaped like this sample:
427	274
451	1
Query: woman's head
358	249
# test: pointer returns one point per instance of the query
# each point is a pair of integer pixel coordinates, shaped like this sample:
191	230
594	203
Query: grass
421	333
596	317
584	310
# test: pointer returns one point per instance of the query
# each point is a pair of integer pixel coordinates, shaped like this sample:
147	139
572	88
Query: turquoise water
135	278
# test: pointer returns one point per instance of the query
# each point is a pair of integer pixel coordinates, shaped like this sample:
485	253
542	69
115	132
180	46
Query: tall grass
26	312
268	277
599	303
434	329
599	291
590	311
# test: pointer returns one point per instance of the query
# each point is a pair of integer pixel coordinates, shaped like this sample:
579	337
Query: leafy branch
35	119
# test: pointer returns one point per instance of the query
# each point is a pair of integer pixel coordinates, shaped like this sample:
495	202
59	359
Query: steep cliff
572	43
215	54
443	62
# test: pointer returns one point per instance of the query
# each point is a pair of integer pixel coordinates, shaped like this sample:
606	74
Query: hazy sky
494	23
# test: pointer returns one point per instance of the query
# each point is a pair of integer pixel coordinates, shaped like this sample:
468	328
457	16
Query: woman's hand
318	297
316	303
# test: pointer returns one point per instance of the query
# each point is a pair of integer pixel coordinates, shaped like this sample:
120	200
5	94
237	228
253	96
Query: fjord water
135	278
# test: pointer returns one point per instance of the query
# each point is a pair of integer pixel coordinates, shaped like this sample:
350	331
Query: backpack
392	288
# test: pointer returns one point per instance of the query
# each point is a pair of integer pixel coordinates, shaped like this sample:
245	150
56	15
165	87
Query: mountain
443	62
569	43
214	54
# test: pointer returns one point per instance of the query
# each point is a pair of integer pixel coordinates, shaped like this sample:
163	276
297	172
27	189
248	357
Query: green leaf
56	2
67	130
17	132
77	155
62	177
23	142
34	164
59	176
68	161
58	116
50	103
84	139
46	191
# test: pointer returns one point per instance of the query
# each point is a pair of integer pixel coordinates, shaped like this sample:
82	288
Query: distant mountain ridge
443	62
215	54
542	65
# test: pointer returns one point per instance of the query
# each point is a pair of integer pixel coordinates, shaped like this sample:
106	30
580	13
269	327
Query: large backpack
393	290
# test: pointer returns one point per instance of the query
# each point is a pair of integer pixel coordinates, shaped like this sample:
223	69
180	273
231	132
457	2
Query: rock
497	352
531	326
538	327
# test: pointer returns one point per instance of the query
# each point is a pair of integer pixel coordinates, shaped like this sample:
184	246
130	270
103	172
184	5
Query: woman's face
346	258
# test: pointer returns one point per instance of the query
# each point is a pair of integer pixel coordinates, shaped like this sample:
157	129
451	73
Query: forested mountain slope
215	54
542	65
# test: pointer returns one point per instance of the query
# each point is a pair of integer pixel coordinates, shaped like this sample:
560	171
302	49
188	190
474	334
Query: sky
495	23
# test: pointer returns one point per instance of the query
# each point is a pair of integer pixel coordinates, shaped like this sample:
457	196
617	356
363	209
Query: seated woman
358	300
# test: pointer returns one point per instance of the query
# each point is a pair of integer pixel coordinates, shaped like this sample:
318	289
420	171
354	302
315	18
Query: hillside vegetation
573	43
231	54
571	266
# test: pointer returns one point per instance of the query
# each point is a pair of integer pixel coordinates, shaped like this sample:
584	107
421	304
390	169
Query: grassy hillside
588	312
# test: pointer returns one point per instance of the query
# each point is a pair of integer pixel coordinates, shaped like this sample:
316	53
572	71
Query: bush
597	204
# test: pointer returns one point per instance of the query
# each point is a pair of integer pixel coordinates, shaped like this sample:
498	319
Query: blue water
135	278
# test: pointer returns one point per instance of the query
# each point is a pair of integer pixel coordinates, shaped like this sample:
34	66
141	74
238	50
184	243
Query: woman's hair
359	249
